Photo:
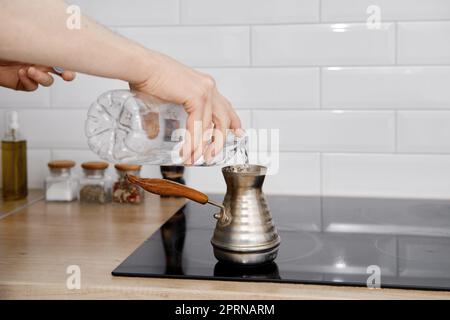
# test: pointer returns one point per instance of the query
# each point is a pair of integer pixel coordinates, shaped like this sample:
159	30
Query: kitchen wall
361	111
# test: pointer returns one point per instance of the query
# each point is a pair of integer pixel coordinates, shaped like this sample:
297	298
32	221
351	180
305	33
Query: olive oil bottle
14	160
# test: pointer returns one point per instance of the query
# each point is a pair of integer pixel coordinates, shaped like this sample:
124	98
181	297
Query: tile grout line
250	45
50	97
180	12
321	175
320	88
320	11
314	65
396	131
321	193
396	45
320	21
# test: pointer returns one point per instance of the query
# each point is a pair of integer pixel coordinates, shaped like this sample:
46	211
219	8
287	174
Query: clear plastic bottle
126	127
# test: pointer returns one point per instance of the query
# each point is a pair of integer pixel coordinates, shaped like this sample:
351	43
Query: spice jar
95	185
173	173
123	190
61	185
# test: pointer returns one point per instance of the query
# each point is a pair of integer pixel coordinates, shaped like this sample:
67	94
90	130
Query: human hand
210	114
28	77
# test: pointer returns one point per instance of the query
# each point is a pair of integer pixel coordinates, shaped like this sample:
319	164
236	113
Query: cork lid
127	167
94	165
61	164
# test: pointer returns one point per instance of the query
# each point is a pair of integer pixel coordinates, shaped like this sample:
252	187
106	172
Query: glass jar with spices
61	185
95	185
123	190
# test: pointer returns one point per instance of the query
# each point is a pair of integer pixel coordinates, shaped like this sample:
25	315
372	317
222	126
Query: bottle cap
127	167
94	165
61	164
13	120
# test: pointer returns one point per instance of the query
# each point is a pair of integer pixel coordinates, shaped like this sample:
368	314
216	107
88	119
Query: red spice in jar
124	192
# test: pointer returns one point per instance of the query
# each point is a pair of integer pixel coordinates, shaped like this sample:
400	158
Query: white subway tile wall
361	111
328	131
131	12
298	173
81	92
356	10
388	175
37	160
323	44
18	99
423	131
386	87
197	46
53	128
270	88
248	11
424	42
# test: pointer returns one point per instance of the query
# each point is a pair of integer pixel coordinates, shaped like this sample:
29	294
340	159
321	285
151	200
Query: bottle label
170	125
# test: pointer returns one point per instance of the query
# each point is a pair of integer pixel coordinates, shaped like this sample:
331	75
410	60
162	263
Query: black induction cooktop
400	243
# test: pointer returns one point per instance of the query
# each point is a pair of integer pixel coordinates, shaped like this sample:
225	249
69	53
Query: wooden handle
165	187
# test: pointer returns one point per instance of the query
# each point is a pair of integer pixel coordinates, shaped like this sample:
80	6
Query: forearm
36	32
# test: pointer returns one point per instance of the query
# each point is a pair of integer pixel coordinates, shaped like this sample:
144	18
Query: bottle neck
12	135
97	174
12	126
122	174
60	172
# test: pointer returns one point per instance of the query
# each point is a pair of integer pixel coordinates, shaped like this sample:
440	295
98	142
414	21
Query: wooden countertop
39	241
8	207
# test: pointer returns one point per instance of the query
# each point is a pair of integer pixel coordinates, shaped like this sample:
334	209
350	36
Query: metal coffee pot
245	232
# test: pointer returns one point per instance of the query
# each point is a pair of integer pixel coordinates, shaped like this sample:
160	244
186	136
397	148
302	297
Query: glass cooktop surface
402	243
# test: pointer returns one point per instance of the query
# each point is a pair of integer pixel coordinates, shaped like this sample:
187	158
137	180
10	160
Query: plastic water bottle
126	127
